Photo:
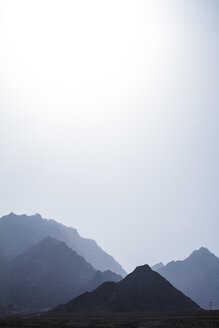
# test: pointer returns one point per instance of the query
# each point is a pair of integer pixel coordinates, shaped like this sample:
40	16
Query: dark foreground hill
197	277
142	290
49	274
20	232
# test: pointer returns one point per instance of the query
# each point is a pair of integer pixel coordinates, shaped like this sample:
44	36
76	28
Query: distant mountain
157	266
142	290
101	277
48	274
197	277
20	232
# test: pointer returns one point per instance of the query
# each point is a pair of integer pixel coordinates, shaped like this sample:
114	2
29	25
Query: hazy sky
109	116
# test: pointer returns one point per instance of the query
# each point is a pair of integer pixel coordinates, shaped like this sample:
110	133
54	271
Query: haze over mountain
20	232
142	290
197	277
157	266
109	118
48	274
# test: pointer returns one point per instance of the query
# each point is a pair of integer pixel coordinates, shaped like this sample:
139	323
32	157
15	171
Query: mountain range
143	290
44	264
48	274
20	232
197	277
38	271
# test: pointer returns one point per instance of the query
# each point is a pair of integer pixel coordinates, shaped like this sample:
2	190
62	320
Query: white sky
109	121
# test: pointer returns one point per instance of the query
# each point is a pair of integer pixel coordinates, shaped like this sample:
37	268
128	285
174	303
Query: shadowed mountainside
48	274
20	232
142	290
197	277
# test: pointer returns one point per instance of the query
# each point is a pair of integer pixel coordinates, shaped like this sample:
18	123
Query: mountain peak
139	275
51	241
201	251
16	216
20	232
10	214
204	250
38	215
142	269
196	276
142	290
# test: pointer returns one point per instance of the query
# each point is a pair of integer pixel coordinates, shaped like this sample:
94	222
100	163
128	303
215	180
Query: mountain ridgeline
141	291
41	264
197	277
49	274
20	232
44	264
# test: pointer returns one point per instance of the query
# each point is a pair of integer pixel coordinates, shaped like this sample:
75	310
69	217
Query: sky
109	115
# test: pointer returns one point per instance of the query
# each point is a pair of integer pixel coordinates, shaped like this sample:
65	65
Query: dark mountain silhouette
197	277
20	232
142	290
49	274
